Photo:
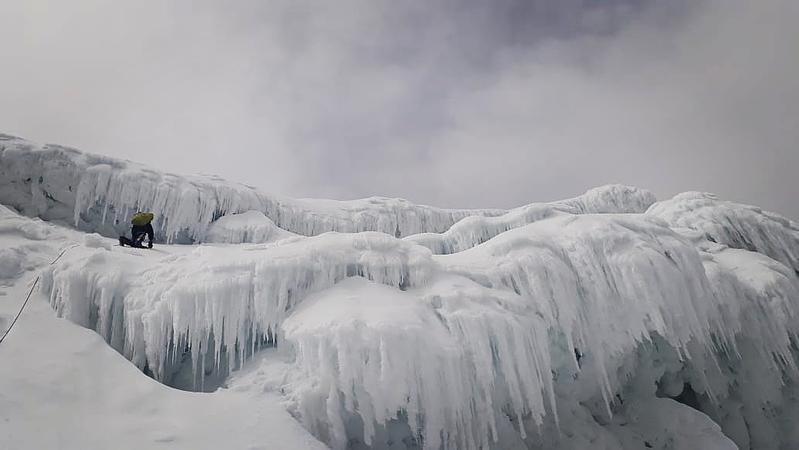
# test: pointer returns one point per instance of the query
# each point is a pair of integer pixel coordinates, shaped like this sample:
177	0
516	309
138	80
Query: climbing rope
30	292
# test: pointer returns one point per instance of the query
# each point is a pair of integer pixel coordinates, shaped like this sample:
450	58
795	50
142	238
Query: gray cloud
446	102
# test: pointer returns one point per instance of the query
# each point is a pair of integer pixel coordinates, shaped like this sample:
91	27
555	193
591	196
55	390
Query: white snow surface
584	323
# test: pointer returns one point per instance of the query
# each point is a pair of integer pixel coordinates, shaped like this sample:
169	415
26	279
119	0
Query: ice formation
598	321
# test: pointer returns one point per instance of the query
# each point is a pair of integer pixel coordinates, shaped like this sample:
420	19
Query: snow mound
249	227
475	230
733	224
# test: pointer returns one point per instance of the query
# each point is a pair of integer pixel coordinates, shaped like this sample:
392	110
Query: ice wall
97	193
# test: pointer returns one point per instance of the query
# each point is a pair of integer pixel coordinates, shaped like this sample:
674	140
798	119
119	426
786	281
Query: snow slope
603	321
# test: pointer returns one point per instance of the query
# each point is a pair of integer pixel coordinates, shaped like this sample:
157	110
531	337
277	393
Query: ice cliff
604	321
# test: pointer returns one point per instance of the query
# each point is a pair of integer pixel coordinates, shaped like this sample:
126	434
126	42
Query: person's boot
121	242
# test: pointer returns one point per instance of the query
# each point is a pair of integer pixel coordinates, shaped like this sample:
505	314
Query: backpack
142	218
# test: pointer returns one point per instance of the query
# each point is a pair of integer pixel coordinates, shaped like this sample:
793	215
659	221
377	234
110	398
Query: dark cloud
456	103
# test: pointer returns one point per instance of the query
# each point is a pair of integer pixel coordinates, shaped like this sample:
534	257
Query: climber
141	227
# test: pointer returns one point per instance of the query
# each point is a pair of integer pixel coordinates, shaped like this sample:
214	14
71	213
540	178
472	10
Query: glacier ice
607	320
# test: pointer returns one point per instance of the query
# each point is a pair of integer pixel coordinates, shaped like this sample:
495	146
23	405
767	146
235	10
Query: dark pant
123	240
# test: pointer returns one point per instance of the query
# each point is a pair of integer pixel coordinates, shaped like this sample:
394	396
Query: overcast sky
452	103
